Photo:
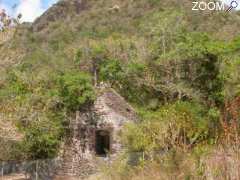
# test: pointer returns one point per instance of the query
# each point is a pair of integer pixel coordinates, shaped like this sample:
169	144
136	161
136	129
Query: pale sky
30	9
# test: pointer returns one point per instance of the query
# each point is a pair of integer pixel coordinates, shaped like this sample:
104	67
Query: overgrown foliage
177	67
40	109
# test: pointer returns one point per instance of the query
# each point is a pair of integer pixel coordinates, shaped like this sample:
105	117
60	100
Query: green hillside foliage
175	66
40	108
181	123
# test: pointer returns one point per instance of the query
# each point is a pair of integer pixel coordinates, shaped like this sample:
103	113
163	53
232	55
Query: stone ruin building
96	134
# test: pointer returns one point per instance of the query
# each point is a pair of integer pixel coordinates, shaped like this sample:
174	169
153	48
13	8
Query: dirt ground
93	177
14	177
22	177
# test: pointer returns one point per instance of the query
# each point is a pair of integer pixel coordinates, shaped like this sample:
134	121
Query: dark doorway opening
102	145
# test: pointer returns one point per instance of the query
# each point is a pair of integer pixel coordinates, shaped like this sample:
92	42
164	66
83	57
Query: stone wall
109	113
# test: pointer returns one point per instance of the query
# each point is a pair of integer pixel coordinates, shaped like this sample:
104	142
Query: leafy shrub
42	138
75	90
17	85
181	124
39	107
111	71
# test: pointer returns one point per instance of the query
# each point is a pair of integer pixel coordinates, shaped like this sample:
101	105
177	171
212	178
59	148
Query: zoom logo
213	6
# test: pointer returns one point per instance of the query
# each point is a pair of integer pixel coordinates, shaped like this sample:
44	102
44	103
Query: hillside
179	68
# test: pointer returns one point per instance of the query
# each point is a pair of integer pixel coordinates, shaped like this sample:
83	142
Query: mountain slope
153	52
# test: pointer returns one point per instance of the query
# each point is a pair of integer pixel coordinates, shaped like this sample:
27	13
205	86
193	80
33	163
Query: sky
31	9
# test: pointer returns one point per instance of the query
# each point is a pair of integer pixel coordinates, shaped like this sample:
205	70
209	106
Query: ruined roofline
114	101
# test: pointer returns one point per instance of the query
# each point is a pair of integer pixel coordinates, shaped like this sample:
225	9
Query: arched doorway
102	142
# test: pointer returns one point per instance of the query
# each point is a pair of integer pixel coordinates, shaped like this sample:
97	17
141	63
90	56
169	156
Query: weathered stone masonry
96	132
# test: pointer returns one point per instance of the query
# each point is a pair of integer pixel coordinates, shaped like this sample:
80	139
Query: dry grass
220	163
6	35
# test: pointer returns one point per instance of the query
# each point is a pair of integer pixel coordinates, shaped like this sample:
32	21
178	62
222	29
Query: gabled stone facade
96	133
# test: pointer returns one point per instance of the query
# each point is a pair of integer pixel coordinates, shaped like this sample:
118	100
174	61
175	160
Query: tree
75	90
7	25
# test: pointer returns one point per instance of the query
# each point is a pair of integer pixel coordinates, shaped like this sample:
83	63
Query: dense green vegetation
178	68
41	110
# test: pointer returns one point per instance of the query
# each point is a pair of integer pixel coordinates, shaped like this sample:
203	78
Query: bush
111	71
39	107
42	138
75	90
43	134
178	125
